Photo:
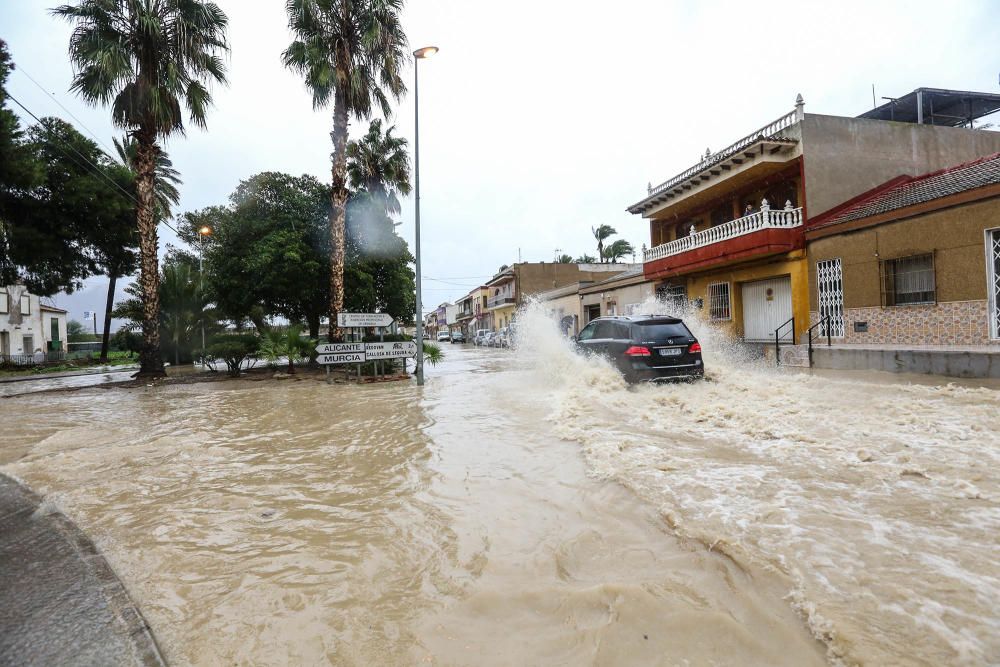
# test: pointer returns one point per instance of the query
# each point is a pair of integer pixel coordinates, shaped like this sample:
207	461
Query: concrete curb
104	370
60	601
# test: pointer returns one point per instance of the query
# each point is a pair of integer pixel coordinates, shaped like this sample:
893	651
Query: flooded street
528	508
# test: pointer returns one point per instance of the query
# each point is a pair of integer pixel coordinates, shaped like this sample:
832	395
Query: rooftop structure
937	106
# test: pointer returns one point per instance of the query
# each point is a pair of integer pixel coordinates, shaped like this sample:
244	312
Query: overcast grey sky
542	118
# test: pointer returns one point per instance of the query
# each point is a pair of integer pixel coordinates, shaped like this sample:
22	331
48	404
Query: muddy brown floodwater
527	508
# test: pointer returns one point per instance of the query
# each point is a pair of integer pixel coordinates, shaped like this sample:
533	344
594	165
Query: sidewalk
60	602
99	370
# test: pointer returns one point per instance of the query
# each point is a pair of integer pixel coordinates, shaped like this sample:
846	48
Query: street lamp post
202	233
418	55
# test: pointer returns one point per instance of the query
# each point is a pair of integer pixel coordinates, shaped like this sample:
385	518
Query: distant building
915	261
511	287
729	232
27	325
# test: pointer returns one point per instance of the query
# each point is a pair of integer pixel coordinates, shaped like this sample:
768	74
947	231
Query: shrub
234	350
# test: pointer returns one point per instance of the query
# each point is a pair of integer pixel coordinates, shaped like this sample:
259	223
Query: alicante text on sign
341	358
340	348
364	320
390	350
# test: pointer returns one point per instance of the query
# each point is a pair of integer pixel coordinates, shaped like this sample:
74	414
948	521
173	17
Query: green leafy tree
75	329
268	252
585	259
20	173
350	53
564	259
602	233
617	250
147	59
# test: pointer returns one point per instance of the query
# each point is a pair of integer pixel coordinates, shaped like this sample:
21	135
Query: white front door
993	278
767	304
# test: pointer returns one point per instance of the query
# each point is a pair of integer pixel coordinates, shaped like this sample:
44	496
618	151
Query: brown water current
527	508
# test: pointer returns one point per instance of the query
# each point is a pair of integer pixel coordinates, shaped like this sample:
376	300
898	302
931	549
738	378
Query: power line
20	68
94	167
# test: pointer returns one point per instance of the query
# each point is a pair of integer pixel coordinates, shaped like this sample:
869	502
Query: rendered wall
844	157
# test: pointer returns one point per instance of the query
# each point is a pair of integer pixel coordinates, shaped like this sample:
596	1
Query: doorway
767	304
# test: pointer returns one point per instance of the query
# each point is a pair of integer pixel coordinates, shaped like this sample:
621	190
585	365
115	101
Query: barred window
4	300
908	280
718	301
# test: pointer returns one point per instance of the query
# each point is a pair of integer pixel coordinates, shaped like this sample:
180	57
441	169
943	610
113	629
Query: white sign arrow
364	320
342	358
340	348
390	350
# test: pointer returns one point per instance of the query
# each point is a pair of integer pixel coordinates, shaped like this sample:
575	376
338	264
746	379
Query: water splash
871	494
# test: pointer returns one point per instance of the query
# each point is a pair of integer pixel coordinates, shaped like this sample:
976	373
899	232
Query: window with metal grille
4	301
718	301
908	280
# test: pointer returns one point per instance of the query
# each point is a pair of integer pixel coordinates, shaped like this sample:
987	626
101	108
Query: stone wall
950	323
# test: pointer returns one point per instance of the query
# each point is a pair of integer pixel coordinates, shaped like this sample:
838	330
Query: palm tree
601	234
147	58
165	194
564	259
380	165
617	250
585	259
350	52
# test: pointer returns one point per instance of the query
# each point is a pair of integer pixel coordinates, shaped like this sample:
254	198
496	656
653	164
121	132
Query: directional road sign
339	348
390	350
340	353
364	320
342	358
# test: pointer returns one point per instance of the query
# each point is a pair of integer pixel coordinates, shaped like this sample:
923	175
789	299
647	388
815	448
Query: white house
27	324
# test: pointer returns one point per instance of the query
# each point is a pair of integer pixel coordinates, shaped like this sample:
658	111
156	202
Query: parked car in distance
457	337
480	337
644	347
503	337
488	338
443	337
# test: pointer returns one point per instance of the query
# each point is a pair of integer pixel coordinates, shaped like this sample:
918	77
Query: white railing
767	132
765	218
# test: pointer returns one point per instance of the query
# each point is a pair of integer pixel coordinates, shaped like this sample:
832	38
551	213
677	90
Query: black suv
645	347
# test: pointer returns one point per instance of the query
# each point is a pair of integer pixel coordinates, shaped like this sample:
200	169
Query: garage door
767	304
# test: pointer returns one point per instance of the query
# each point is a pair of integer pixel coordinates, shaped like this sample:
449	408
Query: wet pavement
60	602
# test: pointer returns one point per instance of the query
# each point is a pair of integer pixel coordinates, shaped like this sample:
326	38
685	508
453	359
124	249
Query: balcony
763	150
761	232
499	301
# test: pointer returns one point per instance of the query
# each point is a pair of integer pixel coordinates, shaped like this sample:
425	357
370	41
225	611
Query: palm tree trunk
106	338
150	361
338	209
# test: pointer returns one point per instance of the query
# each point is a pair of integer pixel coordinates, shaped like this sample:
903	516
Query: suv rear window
661	330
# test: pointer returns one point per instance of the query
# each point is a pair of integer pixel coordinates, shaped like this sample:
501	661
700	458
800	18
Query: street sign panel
342	358
340	348
390	350
364	320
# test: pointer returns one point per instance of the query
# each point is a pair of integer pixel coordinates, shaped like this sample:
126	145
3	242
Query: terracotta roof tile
919	189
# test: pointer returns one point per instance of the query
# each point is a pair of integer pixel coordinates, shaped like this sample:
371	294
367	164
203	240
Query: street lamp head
205	231
425	52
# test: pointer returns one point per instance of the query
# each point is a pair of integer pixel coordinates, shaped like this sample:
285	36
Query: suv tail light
638	351
695	347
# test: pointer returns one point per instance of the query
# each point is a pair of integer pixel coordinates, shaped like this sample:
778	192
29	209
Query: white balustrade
767	132
765	218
